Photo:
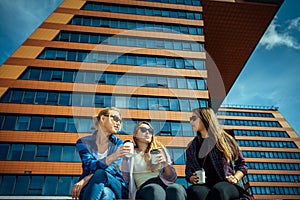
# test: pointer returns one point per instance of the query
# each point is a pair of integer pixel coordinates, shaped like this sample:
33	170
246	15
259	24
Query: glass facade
85	125
141	42
31	102
122	59
127	79
101	100
139	10
136	25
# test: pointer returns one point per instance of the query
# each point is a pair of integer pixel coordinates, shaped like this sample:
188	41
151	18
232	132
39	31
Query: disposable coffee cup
130	144
154	153
201	174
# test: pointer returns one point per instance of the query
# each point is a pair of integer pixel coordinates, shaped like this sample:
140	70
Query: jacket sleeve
240	164
188	162
168	179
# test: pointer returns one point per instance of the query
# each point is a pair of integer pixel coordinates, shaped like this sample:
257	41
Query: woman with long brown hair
149	177
214	163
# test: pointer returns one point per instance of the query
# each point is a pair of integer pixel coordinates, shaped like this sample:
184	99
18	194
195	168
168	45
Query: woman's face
144	134
196	123
112	122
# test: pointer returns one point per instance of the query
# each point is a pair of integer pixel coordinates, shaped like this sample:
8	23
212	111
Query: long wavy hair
154	144
224	142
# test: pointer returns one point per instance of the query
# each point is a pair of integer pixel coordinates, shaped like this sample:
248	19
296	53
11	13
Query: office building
154	59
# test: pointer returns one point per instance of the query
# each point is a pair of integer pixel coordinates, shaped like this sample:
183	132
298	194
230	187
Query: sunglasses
115	118
193	118
144	129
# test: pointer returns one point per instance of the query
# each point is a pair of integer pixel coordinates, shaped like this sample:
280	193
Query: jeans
155	189
221	191
104	186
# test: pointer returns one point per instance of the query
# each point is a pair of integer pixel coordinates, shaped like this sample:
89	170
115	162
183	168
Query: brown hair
224	142
154	144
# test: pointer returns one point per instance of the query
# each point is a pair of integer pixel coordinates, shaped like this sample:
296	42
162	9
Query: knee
108	194
175	188
100	175
176	191
218	190
154	191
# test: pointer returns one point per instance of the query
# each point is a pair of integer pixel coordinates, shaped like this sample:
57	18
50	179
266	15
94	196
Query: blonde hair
224	142
105	111
154	144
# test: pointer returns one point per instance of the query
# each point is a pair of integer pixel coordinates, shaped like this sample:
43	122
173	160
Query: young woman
146	180
101	155
213	151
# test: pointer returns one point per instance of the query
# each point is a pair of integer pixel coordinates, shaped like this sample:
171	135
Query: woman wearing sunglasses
147	180
210	158
101	154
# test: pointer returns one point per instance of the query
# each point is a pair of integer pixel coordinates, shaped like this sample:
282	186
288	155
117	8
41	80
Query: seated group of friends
114	170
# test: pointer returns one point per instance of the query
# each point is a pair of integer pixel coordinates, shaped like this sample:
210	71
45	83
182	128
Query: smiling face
111	122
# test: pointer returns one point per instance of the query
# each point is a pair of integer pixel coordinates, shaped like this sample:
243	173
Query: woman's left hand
232	179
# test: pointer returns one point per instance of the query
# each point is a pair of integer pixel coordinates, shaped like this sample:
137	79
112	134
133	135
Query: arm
79	185
188	163
90	164
240	170
168	172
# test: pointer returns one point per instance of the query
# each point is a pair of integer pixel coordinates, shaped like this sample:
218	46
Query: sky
269	78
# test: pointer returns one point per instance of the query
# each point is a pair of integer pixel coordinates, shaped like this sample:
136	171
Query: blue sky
270	77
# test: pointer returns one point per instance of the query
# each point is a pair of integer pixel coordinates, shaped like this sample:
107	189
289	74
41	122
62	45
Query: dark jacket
221	166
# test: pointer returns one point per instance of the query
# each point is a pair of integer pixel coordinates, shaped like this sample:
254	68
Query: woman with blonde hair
101	154
147	177
209	160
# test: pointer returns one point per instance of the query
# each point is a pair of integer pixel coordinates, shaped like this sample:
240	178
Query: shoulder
192	144
85	139
116	140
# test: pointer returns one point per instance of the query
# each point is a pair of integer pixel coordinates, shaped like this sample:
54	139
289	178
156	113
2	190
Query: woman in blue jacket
101	154
214	163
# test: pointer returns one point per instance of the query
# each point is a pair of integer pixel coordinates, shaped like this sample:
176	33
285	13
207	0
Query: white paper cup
130	144
154	153
201	174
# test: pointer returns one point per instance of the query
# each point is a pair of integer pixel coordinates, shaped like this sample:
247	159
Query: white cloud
294	24
273	37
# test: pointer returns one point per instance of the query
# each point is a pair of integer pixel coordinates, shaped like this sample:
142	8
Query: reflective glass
22	184
7	186
50	185
64	185
35	123
55	153
9	122
4	151
22	123
28	152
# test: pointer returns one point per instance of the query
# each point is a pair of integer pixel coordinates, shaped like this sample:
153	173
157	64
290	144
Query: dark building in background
155	60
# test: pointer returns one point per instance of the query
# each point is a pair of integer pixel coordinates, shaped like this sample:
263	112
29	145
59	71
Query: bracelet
237	180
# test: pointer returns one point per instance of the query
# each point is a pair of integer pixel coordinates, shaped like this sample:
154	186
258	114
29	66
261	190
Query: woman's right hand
194	178
79	185
77	188
121	151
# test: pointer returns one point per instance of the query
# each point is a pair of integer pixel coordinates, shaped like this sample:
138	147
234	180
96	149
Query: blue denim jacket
88	152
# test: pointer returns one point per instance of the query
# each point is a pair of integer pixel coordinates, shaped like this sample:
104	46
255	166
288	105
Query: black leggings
220	191
155	189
